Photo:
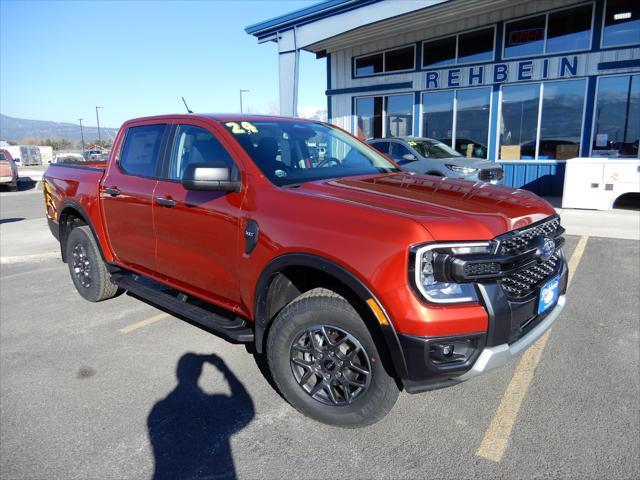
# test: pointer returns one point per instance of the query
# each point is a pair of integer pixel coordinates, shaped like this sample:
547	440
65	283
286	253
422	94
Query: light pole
241	92
98	120
81	134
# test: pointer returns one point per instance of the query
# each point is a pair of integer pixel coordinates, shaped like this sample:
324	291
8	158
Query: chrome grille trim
520	240
523	282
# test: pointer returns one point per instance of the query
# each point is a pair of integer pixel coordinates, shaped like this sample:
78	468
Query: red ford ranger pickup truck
354	277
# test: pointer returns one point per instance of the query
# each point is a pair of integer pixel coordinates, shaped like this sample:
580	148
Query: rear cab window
141	150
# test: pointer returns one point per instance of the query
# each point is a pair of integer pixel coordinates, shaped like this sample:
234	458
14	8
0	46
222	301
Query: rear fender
70	207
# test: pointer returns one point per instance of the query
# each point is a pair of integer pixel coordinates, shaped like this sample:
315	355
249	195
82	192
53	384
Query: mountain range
17	129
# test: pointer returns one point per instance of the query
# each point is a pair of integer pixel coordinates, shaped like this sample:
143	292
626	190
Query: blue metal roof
315	12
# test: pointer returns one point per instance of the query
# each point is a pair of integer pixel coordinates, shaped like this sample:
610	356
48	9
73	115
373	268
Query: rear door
198	232
127	196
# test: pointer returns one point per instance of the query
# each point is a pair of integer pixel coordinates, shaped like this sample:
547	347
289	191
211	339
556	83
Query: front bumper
495	357
513	327
494	176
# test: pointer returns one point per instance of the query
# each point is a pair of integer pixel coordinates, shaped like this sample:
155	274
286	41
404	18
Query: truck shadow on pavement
190	430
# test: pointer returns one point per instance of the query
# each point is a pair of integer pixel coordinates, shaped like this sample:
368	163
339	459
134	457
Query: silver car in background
430	156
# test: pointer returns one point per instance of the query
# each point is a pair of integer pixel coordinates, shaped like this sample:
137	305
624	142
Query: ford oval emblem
546	247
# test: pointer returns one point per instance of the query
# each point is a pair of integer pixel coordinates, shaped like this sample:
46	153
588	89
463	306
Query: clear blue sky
59	59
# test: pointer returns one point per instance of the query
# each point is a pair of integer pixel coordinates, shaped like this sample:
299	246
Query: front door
198	232
127	194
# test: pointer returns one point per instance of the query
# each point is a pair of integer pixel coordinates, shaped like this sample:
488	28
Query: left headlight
461	170
426	272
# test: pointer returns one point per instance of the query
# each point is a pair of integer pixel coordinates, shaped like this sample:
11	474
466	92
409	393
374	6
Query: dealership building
528	84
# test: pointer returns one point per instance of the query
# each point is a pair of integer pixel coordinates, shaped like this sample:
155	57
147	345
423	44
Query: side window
196	145
382	147
141	149
397	151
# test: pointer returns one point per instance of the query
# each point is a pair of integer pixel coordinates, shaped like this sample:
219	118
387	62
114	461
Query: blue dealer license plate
549	294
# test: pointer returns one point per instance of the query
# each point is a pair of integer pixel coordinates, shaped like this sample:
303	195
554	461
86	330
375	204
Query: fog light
442	352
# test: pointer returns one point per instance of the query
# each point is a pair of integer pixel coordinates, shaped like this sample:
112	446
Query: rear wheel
88	270
325	363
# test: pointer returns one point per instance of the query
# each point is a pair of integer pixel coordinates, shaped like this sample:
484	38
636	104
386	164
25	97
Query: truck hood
447	208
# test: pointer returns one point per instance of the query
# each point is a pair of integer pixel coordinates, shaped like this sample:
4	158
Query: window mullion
384	116
457	47
546	32
455	120
539	121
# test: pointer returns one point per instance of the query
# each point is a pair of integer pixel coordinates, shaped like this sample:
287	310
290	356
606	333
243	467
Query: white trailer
46	154
596	183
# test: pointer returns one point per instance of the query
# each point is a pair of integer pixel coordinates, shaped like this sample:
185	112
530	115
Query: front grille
490	174
523	282
522	239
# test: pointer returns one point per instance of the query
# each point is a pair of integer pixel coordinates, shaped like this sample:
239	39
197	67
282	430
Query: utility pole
241	92
81	134
98	120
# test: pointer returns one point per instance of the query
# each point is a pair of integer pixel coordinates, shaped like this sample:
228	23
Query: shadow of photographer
190	430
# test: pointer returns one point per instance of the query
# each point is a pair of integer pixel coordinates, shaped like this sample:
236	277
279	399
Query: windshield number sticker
242	127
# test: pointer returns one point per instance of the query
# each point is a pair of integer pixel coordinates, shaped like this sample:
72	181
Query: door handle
165	202
114	192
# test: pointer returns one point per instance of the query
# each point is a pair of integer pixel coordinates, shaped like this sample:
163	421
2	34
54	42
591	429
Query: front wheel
326	364
88	270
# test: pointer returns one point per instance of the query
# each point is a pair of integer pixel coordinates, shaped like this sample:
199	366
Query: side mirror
209	177
409	157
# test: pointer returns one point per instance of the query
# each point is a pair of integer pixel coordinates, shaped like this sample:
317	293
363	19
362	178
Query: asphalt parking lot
120	389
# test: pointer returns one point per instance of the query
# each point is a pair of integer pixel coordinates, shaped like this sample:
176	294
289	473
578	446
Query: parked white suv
430	156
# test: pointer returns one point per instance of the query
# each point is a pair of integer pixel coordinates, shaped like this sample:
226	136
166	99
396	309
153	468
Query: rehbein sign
505	72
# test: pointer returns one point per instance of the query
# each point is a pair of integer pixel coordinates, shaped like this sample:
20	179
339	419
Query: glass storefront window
475	46
561	121
439	52
569	29
368	65
369	117
518	125
437	115
399	59
399	115
395	60
524	37
472	121
617	118
621	23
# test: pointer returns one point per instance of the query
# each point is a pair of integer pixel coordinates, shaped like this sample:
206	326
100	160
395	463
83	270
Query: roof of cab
220	117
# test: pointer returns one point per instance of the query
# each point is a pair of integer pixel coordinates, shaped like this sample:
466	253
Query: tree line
61	143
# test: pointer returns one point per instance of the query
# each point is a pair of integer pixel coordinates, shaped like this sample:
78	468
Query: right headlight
461	170
426	276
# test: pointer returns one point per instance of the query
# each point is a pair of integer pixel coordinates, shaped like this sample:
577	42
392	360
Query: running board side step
179	303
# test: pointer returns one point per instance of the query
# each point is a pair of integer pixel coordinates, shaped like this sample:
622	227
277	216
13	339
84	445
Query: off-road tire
325	307
96	285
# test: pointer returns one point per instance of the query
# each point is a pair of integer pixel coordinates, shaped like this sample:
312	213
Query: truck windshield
433	149
291	152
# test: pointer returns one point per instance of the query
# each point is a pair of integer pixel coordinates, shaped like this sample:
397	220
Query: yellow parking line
144	323
495	440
